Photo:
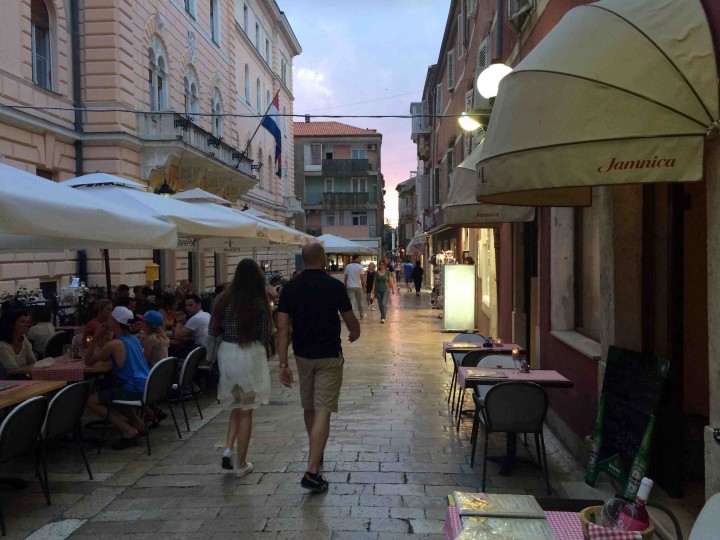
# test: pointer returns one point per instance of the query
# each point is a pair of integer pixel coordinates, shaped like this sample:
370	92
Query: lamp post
165	190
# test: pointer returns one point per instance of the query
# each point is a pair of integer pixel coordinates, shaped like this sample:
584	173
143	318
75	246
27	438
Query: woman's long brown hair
243	293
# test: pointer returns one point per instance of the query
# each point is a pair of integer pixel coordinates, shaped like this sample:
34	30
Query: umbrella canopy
618	92
461	207
39	214
343	246
277	233
192	220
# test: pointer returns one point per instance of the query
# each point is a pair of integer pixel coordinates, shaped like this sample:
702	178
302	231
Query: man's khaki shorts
320	382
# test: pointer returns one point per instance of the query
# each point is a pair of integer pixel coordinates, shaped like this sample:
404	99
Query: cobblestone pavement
392	458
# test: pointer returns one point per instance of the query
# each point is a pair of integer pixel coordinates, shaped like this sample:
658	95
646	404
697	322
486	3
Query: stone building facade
151	81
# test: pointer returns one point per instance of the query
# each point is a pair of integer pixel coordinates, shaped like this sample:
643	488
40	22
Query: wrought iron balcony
346	166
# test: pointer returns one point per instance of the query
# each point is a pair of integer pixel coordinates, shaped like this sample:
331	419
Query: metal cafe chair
54	345
19	436
483	360
186	380
457	358
512	407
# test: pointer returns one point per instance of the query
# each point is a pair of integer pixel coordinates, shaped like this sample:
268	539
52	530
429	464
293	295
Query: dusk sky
367	58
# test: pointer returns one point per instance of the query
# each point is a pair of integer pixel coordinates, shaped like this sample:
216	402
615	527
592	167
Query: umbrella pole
108	280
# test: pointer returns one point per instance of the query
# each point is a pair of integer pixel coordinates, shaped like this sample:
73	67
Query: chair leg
197	403
451	390
474	436
461	402
537	449
78	438
42	471
545	465
182	404
172	413
485	456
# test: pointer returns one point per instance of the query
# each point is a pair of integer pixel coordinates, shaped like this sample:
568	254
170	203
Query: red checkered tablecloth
597	532
60	371
565	525
542	377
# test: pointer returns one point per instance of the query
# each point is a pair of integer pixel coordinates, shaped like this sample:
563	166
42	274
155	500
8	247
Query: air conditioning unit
372	146
518	12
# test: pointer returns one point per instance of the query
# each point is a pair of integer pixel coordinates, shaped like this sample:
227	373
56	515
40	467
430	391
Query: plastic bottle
591	472
641	520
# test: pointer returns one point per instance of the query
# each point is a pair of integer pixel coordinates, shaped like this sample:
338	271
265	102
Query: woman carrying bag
241	318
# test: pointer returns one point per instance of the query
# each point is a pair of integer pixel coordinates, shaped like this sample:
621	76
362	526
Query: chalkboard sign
622	435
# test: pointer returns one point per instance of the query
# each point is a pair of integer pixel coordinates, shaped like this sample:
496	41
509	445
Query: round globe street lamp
468	122
489	79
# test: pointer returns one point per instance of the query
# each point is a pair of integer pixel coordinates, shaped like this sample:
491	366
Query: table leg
508	462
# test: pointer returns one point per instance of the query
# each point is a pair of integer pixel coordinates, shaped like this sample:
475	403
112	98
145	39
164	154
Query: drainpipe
499	30
77	103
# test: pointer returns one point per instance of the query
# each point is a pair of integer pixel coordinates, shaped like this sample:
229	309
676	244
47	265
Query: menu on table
488	373
490	528
497	505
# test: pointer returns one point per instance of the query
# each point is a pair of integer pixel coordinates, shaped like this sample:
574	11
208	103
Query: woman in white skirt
241	318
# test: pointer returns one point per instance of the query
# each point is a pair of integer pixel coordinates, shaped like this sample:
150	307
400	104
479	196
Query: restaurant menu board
622	436
497	505
484	528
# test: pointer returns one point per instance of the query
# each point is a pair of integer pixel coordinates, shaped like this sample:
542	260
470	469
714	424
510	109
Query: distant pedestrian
355	283
241	316
311	303
407	271
417	276
384	286
369	282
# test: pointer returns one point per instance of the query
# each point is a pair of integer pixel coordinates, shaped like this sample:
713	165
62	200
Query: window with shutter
483	55
451	69
438	99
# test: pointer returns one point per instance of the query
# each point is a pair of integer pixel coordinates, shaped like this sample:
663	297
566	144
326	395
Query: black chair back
466	337
66	409
474	359
187	373
21	427
160	381
54	345
495	360
518	407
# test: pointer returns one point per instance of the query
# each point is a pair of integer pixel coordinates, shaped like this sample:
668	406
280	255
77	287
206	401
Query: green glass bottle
591	472
640	464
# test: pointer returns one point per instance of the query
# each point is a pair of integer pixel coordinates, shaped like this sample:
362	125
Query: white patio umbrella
192	220
39	214
343	246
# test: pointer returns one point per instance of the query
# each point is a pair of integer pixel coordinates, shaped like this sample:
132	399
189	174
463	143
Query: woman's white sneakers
382	321
243	471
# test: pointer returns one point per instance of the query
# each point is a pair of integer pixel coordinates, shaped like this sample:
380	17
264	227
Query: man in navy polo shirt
311	303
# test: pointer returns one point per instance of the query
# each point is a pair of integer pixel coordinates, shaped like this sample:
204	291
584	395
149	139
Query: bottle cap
644	490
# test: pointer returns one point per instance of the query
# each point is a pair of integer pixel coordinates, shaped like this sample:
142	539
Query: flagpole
244	153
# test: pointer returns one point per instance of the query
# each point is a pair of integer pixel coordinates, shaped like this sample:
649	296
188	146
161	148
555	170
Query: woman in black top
241	317
369	282
417	276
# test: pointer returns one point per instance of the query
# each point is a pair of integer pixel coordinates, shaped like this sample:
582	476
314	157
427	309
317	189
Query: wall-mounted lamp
469	122
256	166
165	190
489	79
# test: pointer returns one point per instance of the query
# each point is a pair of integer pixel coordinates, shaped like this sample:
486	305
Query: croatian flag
271	122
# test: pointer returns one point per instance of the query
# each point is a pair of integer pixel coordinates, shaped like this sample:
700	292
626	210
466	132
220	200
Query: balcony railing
345	200
346	166
182	130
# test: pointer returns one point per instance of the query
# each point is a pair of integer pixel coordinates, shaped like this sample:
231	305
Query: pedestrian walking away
383	286
310	303
408	271
355	283
241	320
417	276
369	282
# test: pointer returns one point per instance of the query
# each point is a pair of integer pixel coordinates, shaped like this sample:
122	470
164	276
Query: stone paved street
392	458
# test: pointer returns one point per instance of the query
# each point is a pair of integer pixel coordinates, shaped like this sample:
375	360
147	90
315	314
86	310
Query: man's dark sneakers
227	463
314	482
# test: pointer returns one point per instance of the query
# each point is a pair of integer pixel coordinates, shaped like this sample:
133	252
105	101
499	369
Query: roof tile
331	129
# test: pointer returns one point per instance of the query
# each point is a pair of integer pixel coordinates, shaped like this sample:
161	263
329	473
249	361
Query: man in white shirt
197	325
355	283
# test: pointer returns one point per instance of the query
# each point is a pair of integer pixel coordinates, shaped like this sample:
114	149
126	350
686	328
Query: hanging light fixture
489	79
165	190
469	122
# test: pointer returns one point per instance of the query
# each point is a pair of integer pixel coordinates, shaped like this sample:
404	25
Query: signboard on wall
459	297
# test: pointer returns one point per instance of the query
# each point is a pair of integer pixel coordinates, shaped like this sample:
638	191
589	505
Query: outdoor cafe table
19	391
565	525
548	378
62	371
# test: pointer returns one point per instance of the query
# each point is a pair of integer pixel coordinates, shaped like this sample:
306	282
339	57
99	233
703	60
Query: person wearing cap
124	354
155	341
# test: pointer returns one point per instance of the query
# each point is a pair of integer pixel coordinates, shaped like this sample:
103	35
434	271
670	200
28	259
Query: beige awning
618	92
461	207
416	245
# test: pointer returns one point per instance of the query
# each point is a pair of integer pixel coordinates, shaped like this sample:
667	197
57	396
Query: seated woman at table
103	307
155	347
169	311
41	329
15	349
125	354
